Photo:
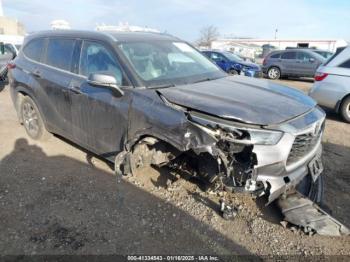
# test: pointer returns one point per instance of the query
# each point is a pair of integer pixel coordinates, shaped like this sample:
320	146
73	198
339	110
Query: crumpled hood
243	99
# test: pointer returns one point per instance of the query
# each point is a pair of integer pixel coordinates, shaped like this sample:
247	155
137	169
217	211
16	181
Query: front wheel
345	109
274	73
32	120
233	72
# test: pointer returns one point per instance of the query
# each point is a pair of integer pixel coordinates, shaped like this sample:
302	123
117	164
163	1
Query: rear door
55	77
307	64
100	118
289	63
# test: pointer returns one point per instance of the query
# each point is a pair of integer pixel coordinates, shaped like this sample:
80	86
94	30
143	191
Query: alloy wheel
30	119
273	73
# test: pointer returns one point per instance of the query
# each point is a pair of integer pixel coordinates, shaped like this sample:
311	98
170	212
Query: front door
307	64
99	117
220	60
289	63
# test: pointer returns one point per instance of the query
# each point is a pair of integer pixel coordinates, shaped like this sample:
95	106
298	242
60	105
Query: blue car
233	64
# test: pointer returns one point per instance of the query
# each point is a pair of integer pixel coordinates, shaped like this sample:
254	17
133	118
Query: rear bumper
329	93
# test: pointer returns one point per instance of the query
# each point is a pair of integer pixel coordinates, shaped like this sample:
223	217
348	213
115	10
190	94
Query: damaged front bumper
272	168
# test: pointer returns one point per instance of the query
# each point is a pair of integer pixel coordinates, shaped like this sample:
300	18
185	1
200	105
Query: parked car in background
141	99
324	53
233	64
292	62
7	53
332	84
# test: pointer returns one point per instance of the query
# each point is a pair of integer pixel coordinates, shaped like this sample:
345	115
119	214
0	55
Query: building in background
258	48
125	27
60	25
10	26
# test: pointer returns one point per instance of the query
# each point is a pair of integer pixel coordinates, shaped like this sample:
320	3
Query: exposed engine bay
246	159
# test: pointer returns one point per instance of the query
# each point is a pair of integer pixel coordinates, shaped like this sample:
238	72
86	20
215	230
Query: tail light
11	65
320	76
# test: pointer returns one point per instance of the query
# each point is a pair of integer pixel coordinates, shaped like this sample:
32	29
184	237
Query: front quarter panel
150	116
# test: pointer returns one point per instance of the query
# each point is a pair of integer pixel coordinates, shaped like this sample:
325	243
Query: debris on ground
229	211
302	212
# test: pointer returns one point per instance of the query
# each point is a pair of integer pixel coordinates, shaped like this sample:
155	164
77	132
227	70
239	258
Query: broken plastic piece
229	212
301	211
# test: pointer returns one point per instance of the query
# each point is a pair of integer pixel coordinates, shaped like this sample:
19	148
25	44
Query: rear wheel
233	72
345	109
274	73
32	120
312	190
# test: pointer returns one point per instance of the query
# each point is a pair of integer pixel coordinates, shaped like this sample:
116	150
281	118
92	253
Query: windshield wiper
161	86
203	80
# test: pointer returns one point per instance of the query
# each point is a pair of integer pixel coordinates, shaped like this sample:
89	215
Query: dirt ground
56	198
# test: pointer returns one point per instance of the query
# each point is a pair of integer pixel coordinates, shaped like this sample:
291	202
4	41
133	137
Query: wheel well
276	67
19	97
341	102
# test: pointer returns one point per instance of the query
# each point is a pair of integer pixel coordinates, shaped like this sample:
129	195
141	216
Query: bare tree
207	35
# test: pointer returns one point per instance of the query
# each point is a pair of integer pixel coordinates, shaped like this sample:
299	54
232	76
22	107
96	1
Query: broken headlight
237	132
264	137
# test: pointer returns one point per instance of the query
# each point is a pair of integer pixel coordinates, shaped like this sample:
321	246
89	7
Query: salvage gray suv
141	99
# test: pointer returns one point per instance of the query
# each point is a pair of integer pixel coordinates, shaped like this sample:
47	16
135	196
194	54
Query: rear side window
345	64
275	56
60	52
304	56
289	55
34	49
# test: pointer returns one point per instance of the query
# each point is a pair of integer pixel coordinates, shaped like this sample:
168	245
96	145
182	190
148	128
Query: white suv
332	84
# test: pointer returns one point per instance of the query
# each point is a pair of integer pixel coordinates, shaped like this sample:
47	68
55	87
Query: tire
274	73
345	110
32	120
233	72
312	190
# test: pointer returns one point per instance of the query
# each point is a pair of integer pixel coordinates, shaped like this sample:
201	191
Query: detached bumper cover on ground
300	211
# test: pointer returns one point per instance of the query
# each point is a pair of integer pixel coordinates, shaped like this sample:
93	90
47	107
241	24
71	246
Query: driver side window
95	58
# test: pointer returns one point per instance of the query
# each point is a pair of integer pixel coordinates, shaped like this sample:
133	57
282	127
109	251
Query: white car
332	84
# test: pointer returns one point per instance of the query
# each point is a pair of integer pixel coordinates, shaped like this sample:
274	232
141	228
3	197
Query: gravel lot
56	198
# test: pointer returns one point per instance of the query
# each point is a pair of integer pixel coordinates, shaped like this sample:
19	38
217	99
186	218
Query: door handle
74	89
36	73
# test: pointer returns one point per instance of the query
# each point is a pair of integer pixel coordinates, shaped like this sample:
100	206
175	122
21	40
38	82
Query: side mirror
311	60
101	80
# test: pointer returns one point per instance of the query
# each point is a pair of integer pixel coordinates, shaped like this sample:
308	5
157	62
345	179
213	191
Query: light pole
276	31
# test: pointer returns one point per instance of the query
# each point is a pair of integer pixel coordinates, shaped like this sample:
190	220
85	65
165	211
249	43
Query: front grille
303	144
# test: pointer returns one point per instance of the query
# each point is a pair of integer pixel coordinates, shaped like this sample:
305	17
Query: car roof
110	35
296	50
339	58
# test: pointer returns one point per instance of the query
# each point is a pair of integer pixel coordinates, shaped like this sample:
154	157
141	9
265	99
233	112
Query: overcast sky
184	18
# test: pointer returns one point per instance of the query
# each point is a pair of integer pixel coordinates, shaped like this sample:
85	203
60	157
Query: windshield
233	57
169	63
